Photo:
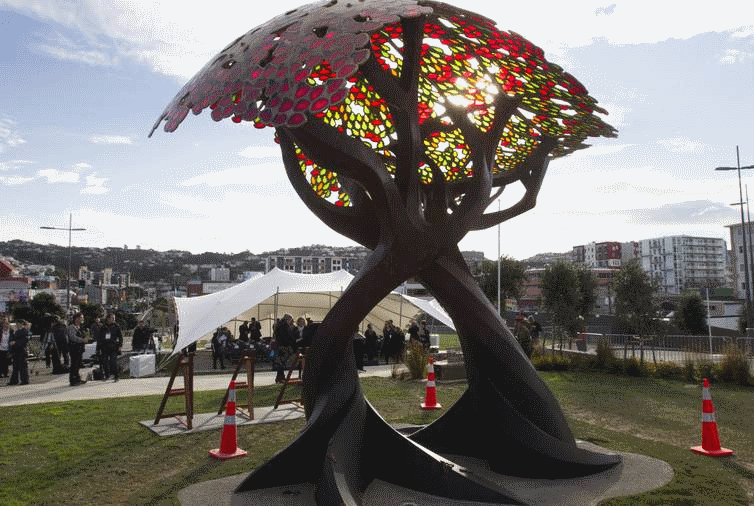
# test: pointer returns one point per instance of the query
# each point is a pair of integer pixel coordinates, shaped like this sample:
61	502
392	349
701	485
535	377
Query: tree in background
569	294
39	312
512	278
586	285
691	317
635	295
125	320
90	313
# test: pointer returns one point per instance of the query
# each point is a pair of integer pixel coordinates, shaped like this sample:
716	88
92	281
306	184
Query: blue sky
82	82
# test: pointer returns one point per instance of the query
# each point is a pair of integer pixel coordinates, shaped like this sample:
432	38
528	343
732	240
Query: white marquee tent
279	292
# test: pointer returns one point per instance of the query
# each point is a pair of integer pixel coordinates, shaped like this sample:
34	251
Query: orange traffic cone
430	400
228	444
710	439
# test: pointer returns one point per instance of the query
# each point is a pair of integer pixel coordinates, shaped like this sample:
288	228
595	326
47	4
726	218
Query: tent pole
400	310
276	305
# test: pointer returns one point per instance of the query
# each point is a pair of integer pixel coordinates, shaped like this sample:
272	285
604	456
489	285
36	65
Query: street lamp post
747	284
70	229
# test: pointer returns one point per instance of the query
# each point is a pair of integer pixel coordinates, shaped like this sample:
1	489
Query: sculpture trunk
532	437
345	444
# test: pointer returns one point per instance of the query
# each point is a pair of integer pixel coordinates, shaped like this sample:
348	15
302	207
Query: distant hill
172	266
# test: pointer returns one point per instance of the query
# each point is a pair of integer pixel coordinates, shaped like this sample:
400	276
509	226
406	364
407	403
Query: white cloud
9	135
733	56
211	230
744	31
56	176
175	40
261	152
110	139
595	151
256	175
14	180
13	164
682	145
89	57
95	185
605	11
82	166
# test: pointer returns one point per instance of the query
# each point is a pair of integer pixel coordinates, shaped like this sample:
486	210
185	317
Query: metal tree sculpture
400	122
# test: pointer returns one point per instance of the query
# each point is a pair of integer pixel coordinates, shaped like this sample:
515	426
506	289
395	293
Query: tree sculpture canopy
399	122
352	66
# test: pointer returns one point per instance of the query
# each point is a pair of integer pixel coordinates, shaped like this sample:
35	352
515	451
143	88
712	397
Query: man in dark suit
109	341
76	343
18	349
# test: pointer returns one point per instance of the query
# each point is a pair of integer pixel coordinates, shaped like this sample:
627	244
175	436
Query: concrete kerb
637	474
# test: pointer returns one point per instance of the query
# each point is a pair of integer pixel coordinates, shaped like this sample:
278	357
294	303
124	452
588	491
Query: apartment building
682	262
603	255
738	264
307	264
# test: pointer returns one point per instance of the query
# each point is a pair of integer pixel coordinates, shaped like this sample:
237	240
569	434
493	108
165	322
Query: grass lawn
94	452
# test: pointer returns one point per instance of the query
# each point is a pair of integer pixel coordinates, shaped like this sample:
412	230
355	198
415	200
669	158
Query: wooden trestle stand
249	359
185	362
299	360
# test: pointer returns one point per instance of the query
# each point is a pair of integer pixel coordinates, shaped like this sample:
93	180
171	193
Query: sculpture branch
534	167
356	222
411	145
495	195
350	157
413	29
505	106
435	195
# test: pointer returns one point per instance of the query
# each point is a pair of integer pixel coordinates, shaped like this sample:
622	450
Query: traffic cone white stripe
430	399
228	442
710	439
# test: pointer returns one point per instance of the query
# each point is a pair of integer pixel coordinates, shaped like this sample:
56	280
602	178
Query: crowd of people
289	337
63	345
225	347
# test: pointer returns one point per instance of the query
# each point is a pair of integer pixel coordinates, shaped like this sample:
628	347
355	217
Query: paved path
45	387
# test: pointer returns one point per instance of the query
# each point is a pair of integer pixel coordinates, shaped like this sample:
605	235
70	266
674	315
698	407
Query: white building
219	274
306	264
683	262
737	256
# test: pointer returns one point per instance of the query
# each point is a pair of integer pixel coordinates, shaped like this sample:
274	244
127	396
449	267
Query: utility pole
70	230
747	283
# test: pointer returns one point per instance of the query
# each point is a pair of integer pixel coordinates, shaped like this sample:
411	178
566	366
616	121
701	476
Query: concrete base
211	421
636	475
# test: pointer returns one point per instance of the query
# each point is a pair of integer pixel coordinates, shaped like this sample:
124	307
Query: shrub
537	353
667	370
605	357
706	369
689	371
633	367
735	366
551	363
416	360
